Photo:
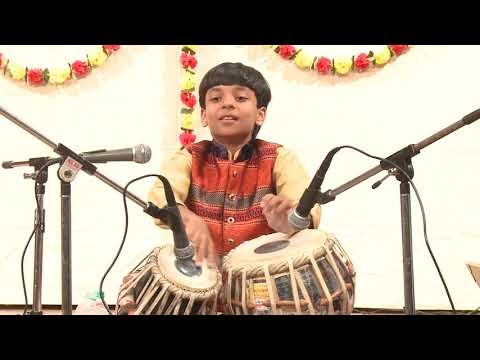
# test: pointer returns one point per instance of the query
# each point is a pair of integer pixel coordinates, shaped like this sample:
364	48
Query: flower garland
188	84
341	65
58	75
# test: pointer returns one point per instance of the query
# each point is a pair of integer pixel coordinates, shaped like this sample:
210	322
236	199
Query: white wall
134	99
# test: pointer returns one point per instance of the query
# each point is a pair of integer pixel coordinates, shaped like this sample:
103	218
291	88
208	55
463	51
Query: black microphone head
142	154
7	164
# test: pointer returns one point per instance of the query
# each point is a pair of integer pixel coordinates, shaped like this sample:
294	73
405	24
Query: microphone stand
71	164
402	158
40	176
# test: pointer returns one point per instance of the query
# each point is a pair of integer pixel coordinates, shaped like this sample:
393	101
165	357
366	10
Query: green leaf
46	75
6	66
186	111
90	66
188	50
295	54
392	53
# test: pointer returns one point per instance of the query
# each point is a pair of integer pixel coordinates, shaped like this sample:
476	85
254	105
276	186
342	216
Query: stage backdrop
134	98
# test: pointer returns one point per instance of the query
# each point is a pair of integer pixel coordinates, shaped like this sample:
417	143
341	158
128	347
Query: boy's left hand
276	209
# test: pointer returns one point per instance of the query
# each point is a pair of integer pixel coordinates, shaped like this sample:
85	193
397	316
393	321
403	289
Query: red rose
193	62
398	49
184	59
362	62
188	99
1	59
324	65
35	76
187	138
287	51
80	68
188	61
111	48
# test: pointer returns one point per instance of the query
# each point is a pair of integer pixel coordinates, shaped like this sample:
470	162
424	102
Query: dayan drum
156	287
309	273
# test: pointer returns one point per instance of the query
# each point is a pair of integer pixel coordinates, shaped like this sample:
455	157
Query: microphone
140	154
299	218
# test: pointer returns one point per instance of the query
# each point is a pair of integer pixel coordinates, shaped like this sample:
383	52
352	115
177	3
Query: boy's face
231	113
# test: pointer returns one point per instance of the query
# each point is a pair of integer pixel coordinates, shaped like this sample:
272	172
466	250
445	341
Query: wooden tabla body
309	273
156	287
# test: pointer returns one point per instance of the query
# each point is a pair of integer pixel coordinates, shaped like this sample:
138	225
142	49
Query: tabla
156	287
308	273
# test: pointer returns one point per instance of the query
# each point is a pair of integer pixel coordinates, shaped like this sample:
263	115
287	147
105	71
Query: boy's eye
241	98
215	98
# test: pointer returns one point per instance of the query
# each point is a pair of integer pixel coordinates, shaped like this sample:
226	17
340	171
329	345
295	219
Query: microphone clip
76	161
324	197
154	211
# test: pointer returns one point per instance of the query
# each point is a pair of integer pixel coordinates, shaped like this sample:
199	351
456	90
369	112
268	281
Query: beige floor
56	310
47	310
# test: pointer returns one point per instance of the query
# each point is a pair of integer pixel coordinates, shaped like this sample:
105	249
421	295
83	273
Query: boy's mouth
228	118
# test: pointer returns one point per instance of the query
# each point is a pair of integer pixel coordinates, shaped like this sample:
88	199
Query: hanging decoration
188	83
339	65
77	69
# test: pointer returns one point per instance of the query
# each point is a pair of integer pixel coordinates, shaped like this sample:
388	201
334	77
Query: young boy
236	187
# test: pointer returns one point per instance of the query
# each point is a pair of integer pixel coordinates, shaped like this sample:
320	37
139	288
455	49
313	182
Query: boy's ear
261	114
203	118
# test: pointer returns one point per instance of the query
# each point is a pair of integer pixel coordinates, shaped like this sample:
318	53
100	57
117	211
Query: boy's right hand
198	233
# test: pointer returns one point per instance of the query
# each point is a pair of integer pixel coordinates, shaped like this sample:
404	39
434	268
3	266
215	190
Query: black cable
25	309
124	193
47	164
421	208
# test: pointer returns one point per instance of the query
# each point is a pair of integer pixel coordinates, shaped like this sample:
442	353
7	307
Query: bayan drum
308	273
157	287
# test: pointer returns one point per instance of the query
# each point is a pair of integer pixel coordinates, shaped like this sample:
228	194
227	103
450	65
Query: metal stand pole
66	224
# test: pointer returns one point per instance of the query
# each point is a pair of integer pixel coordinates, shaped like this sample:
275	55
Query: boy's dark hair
236	74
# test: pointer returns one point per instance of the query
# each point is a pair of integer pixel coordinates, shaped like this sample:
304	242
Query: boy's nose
228	101
227	105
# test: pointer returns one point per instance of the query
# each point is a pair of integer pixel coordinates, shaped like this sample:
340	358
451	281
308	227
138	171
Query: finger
202	247
190	234
285	206
195	241
272	204
266	199
211	253
195	247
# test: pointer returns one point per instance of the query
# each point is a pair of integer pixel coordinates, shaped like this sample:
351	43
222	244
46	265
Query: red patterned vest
227	193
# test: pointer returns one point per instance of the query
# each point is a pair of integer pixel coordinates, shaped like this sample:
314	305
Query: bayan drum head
208	280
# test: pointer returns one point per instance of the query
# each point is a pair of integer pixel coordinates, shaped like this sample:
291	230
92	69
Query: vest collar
221	152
